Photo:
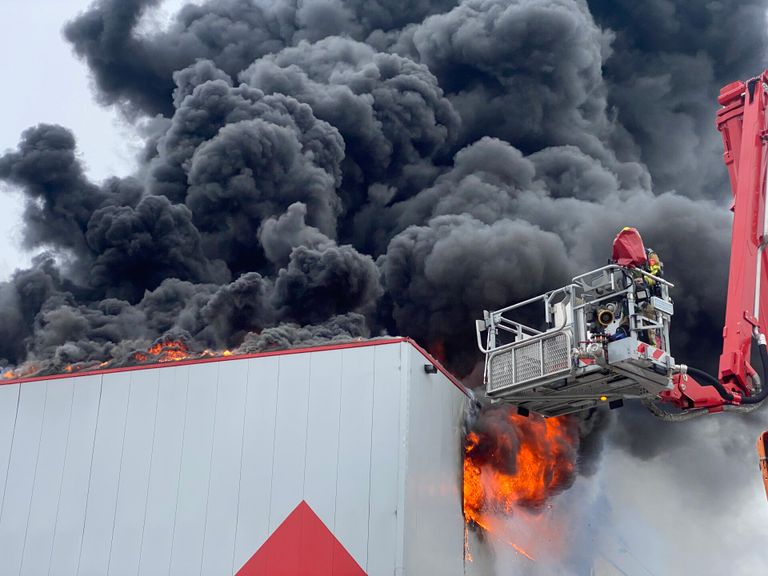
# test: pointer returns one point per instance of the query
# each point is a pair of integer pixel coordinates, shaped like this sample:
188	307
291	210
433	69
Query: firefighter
654	266
630	252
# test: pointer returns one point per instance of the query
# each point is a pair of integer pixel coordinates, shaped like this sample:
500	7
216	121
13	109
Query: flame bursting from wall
514	462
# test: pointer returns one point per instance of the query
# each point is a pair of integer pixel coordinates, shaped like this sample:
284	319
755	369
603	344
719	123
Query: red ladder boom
742	122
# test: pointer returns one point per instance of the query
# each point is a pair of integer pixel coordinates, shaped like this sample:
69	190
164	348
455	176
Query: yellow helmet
654	263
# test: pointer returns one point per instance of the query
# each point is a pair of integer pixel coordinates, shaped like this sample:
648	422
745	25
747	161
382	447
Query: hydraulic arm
743	124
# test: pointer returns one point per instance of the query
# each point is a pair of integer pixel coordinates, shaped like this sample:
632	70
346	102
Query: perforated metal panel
502	370
557	354
541	357
528	362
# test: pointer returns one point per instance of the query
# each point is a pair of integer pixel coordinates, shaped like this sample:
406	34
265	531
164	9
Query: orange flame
543	452
160	352
174	351
169	351
166	351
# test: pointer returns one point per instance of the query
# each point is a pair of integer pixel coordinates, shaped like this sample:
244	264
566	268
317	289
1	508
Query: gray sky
50	85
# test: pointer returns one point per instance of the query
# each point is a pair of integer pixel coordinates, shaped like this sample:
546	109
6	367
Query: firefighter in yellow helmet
630	252
655	266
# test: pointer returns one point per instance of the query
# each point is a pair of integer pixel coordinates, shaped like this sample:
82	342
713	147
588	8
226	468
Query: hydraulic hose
748	404
763	394
708	380
689	414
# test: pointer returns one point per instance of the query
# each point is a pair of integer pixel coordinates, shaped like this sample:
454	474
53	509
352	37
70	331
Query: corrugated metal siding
189	469
434	531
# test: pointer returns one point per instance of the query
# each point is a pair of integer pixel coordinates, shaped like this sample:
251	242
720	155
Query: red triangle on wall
301	546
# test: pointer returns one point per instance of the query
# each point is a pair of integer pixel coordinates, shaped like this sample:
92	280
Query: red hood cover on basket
628	248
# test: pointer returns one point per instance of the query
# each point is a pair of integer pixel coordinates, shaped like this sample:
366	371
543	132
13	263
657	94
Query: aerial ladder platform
605	337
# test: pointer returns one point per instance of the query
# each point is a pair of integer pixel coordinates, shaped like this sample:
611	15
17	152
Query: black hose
708	380
763	394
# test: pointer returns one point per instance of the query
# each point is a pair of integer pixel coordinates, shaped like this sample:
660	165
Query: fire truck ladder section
604	339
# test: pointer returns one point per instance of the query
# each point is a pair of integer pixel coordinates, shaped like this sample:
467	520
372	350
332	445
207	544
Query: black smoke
343	168
410	164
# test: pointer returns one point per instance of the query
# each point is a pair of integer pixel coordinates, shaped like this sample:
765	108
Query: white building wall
188	469
434	531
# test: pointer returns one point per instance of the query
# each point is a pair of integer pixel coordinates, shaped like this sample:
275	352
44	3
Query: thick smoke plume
404	166
333	169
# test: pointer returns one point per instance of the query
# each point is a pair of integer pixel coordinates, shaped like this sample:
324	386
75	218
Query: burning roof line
283	352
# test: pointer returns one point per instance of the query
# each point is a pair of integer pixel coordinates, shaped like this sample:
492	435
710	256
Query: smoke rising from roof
344	168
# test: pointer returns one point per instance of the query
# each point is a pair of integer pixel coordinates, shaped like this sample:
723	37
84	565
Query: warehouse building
342	460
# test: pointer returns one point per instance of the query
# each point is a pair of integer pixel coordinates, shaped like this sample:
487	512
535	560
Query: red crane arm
743	123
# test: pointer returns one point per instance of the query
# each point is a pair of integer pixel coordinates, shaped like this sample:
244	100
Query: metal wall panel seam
131	392
404	418
34	479
46	479
149	473
320	476
90	474
242	455
382	556
355	453
61	480
108	457
435	520
290	436
370	465
274	443
178	481
75	479
120	472
210	463
219	535
338	454
256	473
10	449
134	475
306	430
195	471
23	461
338	445
163	478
